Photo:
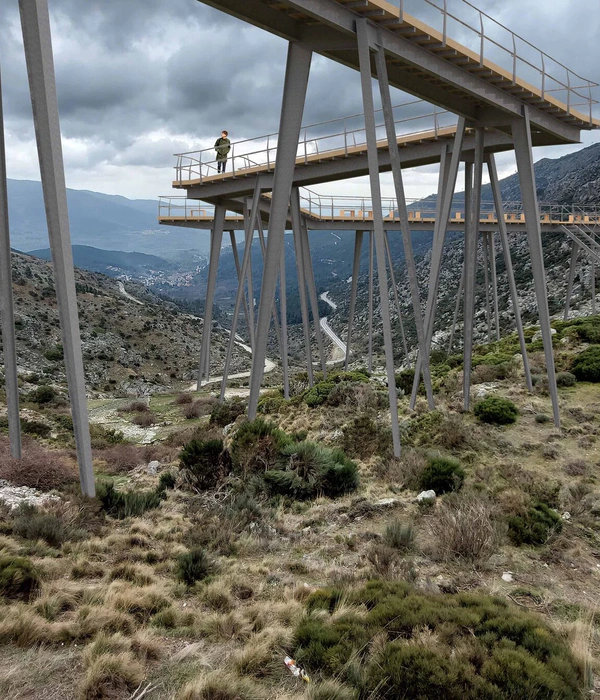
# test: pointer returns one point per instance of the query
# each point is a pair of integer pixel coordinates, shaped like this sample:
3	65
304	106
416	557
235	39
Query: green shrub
193	566
167	480
35	427
204	463
225	413
442	475
125	504
565	379
586	365
271	404
404	380
54	354
535	526
102	437
364	437
42	395
307	470
497	410
542	418
318	394
256	447
477	647
19	579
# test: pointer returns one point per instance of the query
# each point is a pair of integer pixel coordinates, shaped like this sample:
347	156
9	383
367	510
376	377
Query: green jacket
222	147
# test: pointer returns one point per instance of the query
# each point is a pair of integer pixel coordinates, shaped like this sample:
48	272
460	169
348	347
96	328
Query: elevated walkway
352	213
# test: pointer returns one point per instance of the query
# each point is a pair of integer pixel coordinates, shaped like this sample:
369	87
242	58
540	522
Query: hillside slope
129	346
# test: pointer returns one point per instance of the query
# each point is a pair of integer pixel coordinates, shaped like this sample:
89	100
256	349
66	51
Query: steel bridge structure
482	90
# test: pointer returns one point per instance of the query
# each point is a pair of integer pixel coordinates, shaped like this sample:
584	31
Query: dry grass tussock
220	685
464	527
110	676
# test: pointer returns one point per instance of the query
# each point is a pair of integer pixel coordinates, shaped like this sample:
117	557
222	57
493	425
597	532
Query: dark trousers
221	165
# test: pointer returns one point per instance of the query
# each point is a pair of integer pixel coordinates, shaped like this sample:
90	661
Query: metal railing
492	40
352	209
341	136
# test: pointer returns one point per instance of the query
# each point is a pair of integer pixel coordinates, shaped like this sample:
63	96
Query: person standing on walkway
222	147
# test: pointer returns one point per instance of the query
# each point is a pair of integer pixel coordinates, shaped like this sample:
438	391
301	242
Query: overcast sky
139	80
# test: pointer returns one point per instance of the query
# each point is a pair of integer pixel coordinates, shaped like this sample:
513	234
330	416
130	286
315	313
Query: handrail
260	152
485	40
339	208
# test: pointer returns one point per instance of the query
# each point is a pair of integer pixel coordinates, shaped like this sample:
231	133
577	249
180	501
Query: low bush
35	427
442	475
125	504
365	437
256	447
19	579
307	470
227	412
405	380
565	379
204	463
101	436
182	399
145	419
38	468
193	566
458	647
497	410
317	394
42	395
166	481
535	526
586	365
271	404
121	458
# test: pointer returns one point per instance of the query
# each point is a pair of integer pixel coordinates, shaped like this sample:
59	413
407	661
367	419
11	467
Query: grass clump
442	475
193	566
399	535
535	526
220	685
125	504
19	578
457	647
565	379
204	463
31	524
496	410
586	365
111	675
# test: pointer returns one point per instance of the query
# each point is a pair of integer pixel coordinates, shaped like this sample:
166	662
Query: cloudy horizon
143	79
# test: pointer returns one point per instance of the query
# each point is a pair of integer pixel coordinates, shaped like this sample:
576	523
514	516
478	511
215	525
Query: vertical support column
395	292
446	188
7	312
370	322
246	262
284	333
251	217
571	279
294	95
512	284
521	132
494	276
593	281
362	32
358	237
461	286
388	114
471	240
35	23
312	295
486	283
213	265
297	233
241	281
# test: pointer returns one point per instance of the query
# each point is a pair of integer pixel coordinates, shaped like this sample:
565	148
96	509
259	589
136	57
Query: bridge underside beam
413	68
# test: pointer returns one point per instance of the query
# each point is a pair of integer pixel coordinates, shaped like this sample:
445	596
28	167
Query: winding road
327	329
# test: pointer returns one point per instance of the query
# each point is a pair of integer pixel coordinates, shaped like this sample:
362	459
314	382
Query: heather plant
497	410
475	646
586	365
225	413
535	526
204	463
19	578
442	475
